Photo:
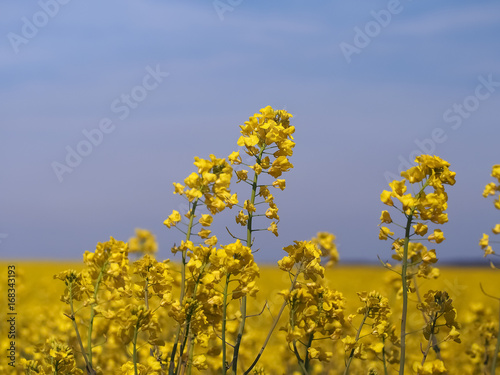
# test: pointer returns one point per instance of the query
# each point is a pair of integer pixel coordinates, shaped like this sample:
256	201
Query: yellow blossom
483	242
235	157
242	175
204	233
385	197
398	187
173	219
206	220
179	189
242	218
249	206
437	236
420	229
385	217
384	233
273	228
280	183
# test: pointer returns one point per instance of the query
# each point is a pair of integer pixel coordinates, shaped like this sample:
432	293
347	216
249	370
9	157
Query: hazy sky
370	84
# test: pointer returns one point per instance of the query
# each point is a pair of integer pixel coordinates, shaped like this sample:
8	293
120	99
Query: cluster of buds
418	209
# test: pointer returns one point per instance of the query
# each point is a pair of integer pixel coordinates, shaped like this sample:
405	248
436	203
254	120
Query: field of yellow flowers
43	324
216	311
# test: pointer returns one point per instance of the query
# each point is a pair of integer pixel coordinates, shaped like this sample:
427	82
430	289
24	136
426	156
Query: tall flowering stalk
418	207
106	270
375	313
266	135
209	186
267	139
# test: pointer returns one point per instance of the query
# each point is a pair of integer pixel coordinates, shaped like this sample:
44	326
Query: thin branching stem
358	333
243	307
172	367
275	323
92	310
88	366
435	345
224	320
432	336
404	281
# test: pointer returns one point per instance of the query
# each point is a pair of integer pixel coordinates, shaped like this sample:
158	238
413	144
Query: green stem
299	359
426	352
192	310
171	368
311	337
497	348
405	292
275	323
88	366
435	345
243	307
190	354
405	281
309	343
92	311
188	237
183	344
358	333
224	316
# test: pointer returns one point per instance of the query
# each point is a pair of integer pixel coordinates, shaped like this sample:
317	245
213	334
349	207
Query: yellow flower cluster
419	208
437	304
144	242
420	259
211	182
108	263
58	359
326	242
154	279
375	315
305	256
435	367
430	171
267	129
316	311
266	134
237	260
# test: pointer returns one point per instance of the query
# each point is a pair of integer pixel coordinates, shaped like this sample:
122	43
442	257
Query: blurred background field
40	312
36	285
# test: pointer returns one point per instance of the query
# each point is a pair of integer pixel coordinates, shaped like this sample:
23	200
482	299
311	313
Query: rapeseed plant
128	313
418	208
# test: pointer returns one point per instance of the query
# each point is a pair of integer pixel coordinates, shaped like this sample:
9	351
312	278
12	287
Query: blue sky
357	115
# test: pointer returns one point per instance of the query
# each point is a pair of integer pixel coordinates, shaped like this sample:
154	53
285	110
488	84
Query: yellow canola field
40	316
